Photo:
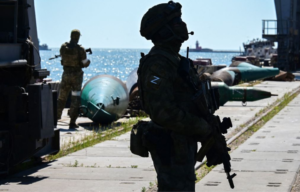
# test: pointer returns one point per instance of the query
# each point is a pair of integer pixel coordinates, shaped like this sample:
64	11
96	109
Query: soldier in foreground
73	60
167	83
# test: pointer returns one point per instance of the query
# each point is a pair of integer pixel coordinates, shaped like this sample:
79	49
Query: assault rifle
89	50
222	152
207	100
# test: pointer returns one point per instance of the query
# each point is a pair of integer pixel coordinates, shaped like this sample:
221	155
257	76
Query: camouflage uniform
167	99
73	60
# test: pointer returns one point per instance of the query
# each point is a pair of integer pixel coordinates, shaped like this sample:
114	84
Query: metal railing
276	27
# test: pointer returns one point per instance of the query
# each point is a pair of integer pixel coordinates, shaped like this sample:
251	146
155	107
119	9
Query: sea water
117	62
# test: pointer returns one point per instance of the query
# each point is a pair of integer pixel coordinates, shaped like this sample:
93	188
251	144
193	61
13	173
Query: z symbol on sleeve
155	80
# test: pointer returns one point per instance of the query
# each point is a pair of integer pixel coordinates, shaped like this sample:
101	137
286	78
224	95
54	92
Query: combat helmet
75	34
157	17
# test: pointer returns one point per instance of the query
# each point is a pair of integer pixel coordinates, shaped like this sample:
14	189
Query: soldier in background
73	60
167	84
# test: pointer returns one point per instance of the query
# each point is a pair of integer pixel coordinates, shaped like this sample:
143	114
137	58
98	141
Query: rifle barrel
55	56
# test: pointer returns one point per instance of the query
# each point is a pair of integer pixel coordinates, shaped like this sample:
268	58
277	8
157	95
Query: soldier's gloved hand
86	63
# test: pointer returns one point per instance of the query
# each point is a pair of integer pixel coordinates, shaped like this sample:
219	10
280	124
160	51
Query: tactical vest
142	60
70	55
203	99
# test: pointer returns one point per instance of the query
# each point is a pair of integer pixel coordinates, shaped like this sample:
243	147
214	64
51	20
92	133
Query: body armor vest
142	60
203	100
70	55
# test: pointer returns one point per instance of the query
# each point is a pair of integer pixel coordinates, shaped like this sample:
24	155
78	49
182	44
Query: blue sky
218	24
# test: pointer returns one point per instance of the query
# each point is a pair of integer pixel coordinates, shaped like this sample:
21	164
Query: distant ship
259	52
43	47
200	49
263	49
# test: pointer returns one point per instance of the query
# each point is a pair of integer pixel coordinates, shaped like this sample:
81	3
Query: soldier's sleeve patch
155	80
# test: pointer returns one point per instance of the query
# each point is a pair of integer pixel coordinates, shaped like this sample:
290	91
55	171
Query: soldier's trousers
179	173
71	81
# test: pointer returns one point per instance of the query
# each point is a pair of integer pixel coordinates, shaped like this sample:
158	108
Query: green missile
248	72
104	99
243	94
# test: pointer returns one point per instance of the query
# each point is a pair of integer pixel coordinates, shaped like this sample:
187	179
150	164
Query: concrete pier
268	161
269	157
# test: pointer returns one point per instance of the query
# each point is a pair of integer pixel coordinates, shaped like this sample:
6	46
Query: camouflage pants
70	82
179	175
